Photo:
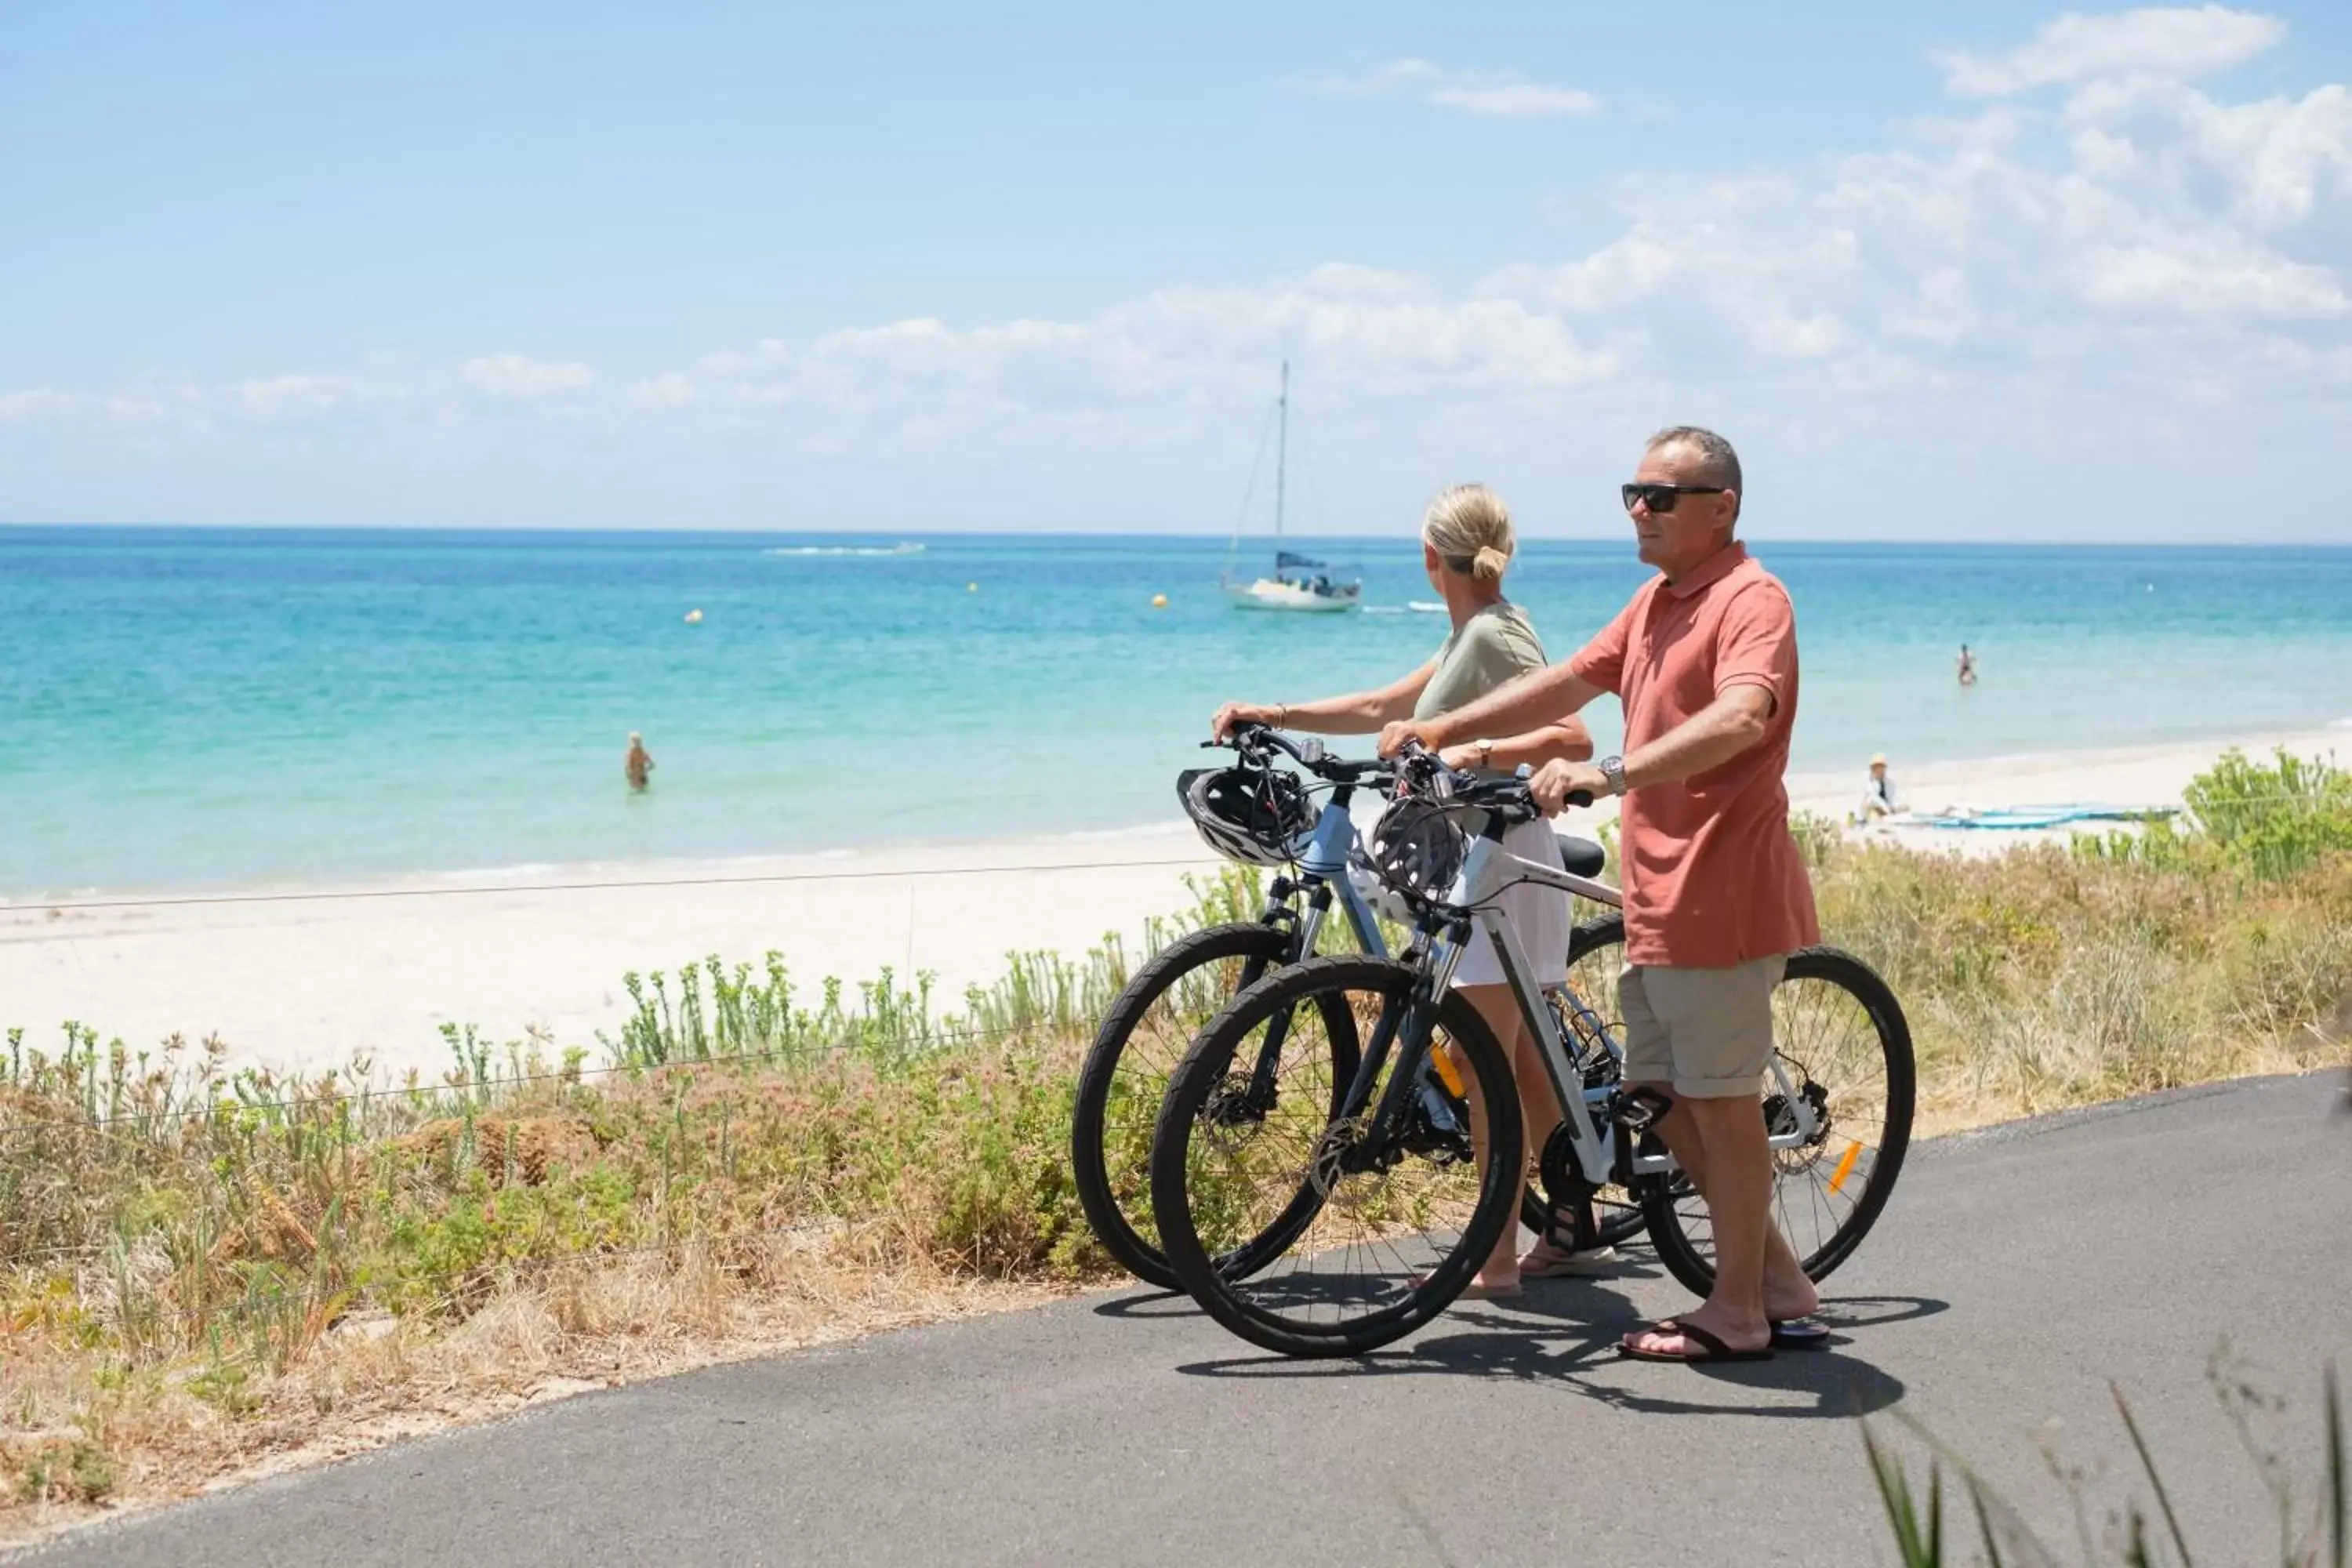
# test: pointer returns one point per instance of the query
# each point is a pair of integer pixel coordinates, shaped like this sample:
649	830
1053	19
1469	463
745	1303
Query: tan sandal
1549	1260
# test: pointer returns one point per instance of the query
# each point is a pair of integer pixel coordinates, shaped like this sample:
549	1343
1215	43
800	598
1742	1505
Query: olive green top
1495	646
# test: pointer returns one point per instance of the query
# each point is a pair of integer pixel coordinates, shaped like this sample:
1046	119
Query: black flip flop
1800	1334
1716	1349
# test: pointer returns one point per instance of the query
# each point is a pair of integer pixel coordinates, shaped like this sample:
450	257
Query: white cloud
1489	95
35	404
1373	337
668	391
2174	43
514	375
288	396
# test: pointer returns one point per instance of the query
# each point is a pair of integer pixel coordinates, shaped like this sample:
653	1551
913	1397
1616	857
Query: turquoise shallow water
198	707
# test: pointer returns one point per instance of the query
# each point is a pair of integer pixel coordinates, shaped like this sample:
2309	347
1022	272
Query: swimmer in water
1968	666
639	765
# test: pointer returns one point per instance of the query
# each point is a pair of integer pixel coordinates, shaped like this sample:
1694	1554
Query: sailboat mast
1281	446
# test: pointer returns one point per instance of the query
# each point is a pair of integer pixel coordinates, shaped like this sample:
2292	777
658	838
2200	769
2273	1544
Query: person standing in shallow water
1968	666
639	765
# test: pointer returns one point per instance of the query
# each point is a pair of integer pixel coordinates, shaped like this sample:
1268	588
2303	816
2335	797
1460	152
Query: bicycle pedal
1583	1226
1640	1110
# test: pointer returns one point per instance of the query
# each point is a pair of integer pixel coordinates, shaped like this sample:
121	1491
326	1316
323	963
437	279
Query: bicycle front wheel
1349	1246
1126	1073
1842	1046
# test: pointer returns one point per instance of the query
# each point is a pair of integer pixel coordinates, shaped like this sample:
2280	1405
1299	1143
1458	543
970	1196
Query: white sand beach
2132	776
294	979
302	977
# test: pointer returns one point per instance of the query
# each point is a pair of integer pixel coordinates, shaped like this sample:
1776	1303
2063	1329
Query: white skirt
1539	916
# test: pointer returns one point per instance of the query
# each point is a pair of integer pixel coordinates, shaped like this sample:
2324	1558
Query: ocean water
211	706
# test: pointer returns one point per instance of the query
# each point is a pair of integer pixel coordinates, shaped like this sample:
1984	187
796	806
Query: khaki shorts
1706	1031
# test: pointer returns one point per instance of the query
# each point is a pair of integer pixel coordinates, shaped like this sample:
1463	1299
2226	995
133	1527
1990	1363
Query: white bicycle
1385	1211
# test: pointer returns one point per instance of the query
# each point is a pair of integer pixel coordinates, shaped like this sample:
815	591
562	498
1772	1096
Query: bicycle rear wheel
1337	1259
1841	1040
1126	1073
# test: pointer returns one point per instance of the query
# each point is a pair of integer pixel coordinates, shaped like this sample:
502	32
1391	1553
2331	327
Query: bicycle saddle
1581	857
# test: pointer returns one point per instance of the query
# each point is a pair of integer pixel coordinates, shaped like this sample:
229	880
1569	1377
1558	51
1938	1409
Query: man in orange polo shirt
1704	662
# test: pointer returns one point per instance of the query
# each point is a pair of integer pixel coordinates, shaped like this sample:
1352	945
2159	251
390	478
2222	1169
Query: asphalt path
2014	1274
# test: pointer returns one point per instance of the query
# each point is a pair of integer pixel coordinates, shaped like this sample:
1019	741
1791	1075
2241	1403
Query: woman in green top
1466	545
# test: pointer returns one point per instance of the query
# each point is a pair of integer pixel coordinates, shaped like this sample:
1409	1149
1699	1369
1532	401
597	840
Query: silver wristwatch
1614	770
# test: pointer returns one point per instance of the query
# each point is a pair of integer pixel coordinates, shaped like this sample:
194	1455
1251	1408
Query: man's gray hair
1718	463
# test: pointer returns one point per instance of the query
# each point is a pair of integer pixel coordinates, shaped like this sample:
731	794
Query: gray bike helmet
1418	848
1256	815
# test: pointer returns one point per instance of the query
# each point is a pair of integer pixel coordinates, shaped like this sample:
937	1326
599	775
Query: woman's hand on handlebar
1394	737
1556	781
1461	759
1232	715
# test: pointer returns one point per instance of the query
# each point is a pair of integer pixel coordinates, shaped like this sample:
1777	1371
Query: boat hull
1268	594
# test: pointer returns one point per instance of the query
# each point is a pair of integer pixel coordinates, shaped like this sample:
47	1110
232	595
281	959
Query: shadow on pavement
1145	1304
1569	1336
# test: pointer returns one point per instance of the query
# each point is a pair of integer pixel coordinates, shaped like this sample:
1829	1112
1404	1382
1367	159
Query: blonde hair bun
1470	528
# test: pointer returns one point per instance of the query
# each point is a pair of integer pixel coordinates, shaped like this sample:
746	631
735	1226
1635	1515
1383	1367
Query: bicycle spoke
1369	1233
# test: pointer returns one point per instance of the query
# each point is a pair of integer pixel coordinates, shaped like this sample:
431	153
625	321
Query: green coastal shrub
2266	821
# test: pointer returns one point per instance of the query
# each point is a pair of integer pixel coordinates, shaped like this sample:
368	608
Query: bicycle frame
1322	873
1487	870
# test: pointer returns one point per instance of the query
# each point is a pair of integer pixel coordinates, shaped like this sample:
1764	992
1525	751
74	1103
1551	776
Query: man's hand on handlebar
1232	715
1555	782
1430	733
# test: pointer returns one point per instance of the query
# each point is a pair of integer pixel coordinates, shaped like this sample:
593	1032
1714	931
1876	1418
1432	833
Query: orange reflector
1442	1060
1846	1166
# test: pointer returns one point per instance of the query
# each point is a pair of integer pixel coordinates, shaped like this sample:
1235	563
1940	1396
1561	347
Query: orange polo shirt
1711	875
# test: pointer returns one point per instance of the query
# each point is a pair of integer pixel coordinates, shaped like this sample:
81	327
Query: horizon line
486	529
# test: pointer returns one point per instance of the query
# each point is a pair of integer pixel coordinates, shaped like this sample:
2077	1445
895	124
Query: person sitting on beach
1968	666
639	765
1878	796
1466	544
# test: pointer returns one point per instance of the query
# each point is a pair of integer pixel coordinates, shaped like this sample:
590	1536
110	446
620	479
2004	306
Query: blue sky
1998	271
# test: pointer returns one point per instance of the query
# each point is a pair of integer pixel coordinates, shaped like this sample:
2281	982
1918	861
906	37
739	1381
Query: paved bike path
2014	1273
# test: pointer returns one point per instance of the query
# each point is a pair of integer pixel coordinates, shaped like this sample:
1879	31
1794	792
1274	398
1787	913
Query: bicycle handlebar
1509	798
1310	755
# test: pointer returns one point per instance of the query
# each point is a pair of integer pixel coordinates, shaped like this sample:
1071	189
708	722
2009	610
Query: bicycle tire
1673	1214
1618	1213
1229	1295
1114	1194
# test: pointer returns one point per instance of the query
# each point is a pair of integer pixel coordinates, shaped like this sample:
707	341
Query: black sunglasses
1666	498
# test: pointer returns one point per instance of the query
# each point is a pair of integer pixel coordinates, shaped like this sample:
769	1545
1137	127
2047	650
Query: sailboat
1298	581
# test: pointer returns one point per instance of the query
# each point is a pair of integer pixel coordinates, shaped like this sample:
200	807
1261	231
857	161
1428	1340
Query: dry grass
201	1272
2046	979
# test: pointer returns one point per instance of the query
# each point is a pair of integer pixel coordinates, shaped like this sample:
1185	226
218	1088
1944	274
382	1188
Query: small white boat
1315	591
1297	582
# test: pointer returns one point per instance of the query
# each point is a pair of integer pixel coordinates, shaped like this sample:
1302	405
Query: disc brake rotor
1332	1148
1781	1121
1229	1118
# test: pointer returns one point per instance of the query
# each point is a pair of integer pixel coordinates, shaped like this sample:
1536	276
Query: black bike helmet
1418	848
1257	816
